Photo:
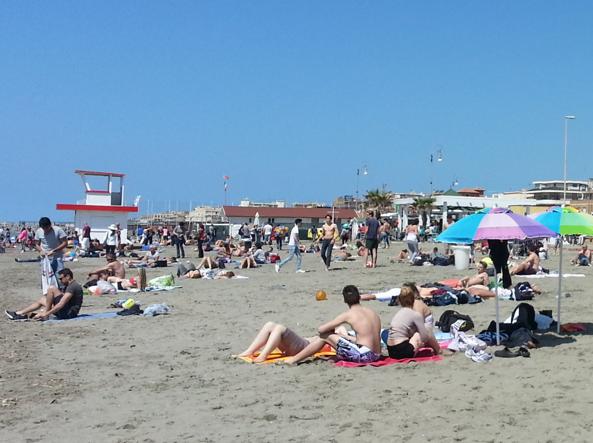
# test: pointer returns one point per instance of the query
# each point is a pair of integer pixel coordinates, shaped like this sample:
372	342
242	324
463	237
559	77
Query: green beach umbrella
565	221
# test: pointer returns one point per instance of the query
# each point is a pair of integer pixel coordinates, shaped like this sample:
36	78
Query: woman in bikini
272	336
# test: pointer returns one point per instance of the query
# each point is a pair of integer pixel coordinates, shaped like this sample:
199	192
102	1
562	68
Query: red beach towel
423	355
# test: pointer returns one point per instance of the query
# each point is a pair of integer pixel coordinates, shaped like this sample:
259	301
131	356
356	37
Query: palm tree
423	205
379	199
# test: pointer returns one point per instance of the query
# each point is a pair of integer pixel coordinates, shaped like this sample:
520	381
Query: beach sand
171	378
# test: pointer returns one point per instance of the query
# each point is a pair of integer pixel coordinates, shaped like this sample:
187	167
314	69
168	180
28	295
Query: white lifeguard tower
103	205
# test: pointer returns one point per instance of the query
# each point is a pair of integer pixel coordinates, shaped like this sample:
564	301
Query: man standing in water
329	233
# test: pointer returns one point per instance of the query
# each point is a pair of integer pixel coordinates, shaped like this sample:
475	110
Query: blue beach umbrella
565	221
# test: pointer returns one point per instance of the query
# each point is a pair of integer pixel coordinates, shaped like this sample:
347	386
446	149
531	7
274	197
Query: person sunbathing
274	335
481	278
407	331
401	257
530	265
583	258
150	259
364	347
208	262
113	267
124	284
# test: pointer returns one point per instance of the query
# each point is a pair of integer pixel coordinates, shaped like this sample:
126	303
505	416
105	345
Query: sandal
506	353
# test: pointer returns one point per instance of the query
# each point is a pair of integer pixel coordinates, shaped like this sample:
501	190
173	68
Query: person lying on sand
63	305
365	347
272	336
392	296
151	257
530	265
123	284
407	332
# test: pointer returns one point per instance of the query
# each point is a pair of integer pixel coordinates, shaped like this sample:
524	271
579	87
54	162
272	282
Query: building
206	214
277	204
285	216
579	193
103	204
554	190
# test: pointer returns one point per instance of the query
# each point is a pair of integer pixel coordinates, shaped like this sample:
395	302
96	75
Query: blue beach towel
96	316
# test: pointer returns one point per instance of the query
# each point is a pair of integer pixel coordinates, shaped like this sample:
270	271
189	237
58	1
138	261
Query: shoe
277	267
506	353
14	316
300	271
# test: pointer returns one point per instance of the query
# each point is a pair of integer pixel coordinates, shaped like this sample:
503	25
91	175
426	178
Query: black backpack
449	317
523	291
524	317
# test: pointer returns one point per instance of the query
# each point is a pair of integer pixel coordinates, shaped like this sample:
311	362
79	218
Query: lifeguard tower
103	205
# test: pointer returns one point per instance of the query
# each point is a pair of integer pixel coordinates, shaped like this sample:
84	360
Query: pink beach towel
423	355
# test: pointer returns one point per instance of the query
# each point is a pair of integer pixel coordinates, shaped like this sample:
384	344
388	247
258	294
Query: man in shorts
63	305
362	347
51	242
372	240
328	238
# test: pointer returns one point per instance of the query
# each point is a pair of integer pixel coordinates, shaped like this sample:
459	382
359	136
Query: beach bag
274	258
449	317
523	291
162	281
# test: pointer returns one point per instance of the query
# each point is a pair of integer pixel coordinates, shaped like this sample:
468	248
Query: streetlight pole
566	118
560	239
439	156
364	172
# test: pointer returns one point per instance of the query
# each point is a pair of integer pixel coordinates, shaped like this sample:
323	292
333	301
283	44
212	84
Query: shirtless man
365	347
530	265
584	257
114	267
481	278
328	238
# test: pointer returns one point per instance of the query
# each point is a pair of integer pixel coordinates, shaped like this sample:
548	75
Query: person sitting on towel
407	332
530	265
364	347
63	305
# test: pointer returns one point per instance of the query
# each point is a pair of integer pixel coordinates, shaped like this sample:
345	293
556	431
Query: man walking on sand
372	240
329	234
294	248
364	347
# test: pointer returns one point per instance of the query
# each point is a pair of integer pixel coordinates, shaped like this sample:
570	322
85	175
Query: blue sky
288	98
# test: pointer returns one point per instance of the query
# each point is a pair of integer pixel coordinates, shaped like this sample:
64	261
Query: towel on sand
96	316
423	355
276	355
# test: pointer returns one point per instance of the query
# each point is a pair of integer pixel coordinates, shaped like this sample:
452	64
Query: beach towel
276	355
95	316
48	277
423	355
571	328
555	275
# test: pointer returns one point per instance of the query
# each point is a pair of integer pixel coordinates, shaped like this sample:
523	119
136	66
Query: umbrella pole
559	285
497	309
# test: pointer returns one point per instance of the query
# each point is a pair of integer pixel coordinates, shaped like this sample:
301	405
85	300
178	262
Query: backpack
524	315
449	317
523	291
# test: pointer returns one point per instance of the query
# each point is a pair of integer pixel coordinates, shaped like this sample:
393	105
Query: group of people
409	330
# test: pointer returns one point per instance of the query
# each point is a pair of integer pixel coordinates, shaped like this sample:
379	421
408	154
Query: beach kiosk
103	204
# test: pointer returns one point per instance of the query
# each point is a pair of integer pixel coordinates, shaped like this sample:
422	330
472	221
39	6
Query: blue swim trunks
348	351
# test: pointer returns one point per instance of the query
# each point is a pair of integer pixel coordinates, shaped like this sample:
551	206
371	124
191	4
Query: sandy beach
171	378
